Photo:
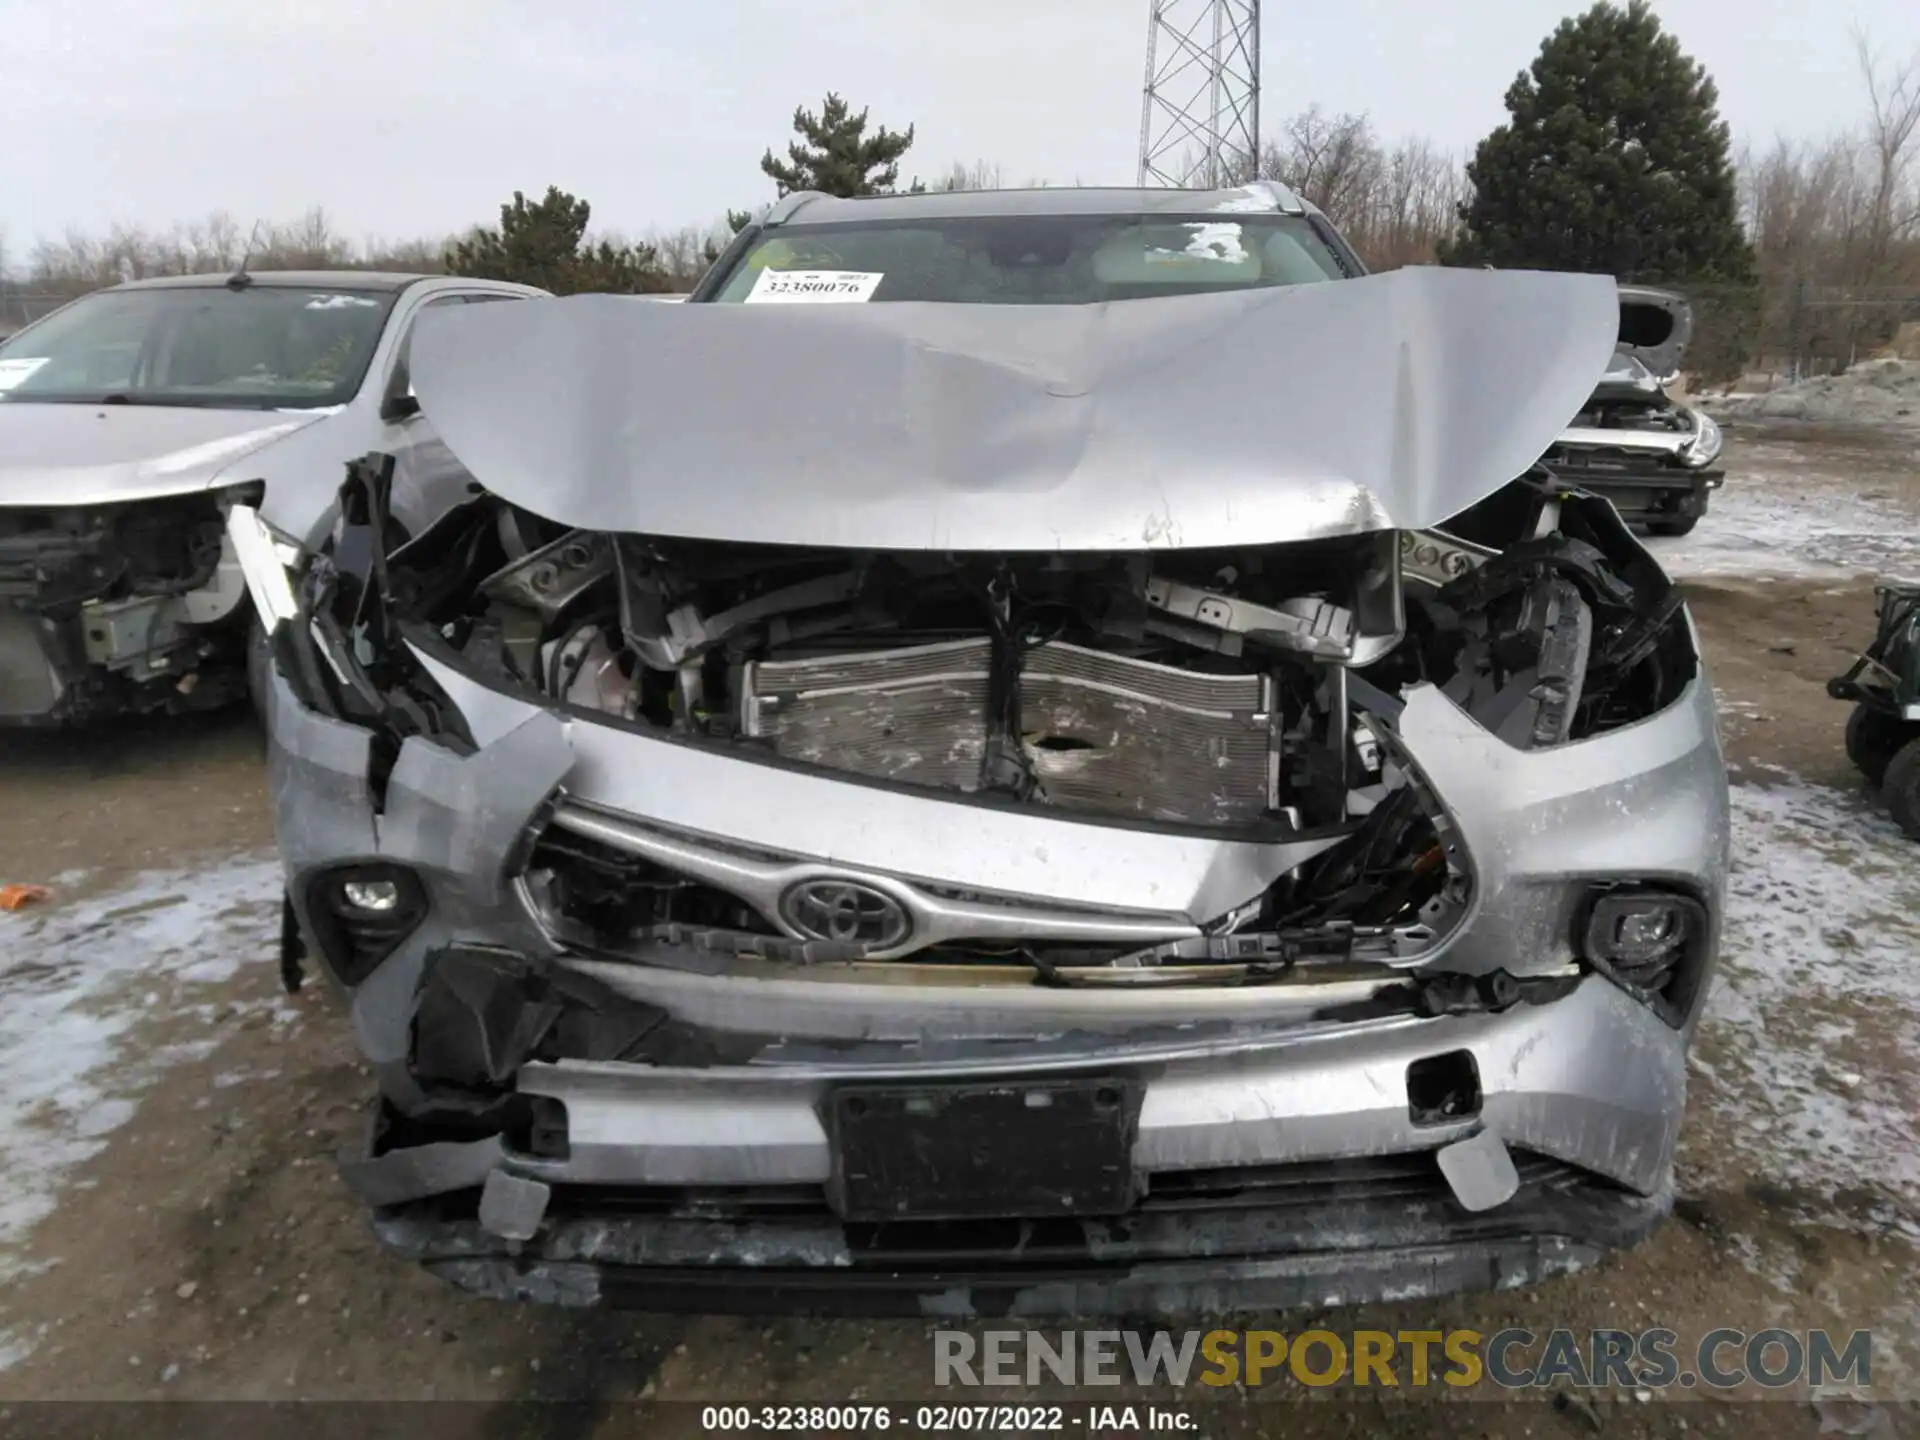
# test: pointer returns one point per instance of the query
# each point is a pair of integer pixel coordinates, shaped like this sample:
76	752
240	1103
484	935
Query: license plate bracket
1002	1148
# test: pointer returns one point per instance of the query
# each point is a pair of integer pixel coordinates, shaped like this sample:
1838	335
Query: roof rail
1284	200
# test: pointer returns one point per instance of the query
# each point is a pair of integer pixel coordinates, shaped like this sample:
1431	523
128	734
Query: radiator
1105	733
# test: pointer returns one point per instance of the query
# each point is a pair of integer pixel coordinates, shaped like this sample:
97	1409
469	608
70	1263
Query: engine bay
1250	692
133	606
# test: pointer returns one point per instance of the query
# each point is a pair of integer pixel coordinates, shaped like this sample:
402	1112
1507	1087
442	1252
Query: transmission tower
1200	119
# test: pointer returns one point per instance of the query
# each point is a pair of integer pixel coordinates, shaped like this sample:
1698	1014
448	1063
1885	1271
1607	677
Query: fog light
359	915
1642	932
377	897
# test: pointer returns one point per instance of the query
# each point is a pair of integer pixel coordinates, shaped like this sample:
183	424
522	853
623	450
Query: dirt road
171	1225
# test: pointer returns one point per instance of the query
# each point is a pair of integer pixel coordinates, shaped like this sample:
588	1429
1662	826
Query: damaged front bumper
663	1134
1290	1235
1655	461
1646	491
118	609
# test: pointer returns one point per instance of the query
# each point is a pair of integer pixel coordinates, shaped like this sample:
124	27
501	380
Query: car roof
381	280
298	279
1260	197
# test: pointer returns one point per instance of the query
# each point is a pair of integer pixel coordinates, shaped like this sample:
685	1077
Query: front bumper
1642	488
98	621
1283	1237
1282	1155
50	679
35	671
1280	1169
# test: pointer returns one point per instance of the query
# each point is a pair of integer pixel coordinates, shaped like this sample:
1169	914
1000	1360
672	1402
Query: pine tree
544	243
838	157
1615	161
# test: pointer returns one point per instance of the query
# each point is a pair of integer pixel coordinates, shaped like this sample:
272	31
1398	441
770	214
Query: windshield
1031	259
261	346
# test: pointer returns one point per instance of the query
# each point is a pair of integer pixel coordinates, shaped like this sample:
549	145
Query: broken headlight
266	558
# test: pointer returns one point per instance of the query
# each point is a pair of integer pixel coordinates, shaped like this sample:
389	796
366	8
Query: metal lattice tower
1200	120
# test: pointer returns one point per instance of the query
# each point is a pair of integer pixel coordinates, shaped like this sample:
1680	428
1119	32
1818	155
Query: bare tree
409	257
1394	205
980	175
1893	114
685	254
1333	161
1835	223
309	243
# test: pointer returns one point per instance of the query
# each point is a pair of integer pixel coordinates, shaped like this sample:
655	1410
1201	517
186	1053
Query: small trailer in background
1883	732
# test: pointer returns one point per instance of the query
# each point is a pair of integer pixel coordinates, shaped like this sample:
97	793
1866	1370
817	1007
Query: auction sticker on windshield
12	372
814	287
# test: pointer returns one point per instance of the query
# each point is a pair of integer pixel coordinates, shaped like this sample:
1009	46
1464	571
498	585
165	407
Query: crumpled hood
1247	418
99	454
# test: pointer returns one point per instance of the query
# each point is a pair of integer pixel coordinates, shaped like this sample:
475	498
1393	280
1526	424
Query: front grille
1307	1192
1412	1178
605	897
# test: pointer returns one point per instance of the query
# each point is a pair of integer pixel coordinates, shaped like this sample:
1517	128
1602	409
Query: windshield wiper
163	401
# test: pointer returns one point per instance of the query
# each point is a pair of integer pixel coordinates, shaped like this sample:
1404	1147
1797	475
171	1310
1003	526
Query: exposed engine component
1102	732
1251	691
1309	625
1083	682
50	559
106	598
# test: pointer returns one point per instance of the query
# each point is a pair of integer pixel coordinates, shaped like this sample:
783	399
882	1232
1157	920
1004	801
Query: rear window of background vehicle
1048	259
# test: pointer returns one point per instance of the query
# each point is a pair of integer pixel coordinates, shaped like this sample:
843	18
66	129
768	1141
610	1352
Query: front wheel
1901	788
1873	738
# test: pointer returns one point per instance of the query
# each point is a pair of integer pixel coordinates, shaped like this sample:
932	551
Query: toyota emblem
847	913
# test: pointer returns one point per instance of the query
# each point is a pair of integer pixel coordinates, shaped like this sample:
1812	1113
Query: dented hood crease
1255	417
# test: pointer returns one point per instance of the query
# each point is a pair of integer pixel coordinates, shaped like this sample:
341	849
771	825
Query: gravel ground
171	1226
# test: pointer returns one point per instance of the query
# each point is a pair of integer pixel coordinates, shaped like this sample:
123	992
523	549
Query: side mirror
400	407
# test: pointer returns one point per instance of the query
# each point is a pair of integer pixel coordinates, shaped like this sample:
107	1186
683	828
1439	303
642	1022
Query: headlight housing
1707	442
266	558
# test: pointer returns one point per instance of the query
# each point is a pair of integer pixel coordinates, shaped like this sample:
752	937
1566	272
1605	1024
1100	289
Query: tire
1901	788
1873	738
1679	525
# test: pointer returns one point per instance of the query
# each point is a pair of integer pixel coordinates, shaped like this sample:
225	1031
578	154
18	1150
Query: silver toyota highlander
1018	754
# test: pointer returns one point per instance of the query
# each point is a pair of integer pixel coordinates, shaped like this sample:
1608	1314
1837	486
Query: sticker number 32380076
814	287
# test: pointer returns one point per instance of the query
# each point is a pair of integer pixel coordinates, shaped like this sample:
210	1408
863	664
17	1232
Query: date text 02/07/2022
945	1419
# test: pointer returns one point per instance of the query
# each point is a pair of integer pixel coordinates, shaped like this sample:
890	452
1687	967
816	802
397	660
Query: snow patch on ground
1761	526
1811	1038
76	977
1875	392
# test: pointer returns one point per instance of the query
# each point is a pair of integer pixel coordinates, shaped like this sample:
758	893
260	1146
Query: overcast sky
417	117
